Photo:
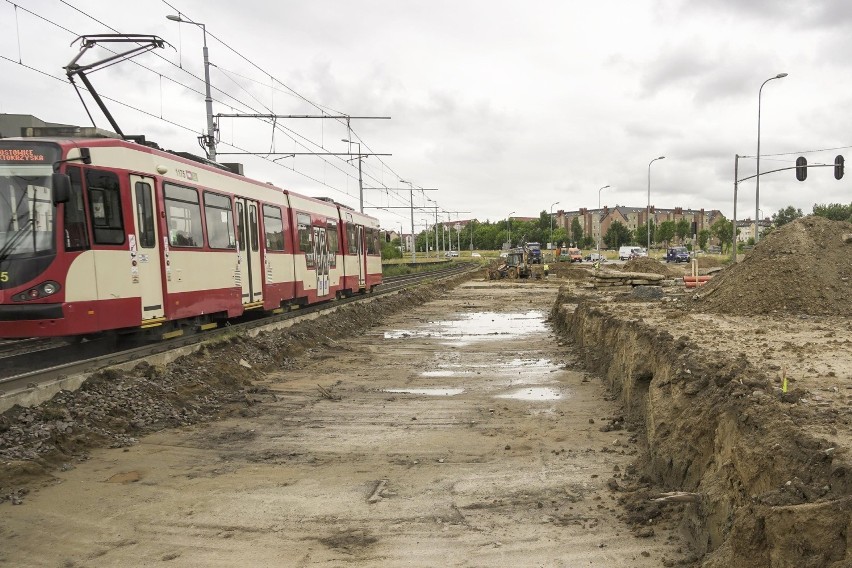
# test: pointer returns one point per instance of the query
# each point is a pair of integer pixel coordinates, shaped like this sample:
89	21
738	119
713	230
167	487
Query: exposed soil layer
742	389
115	408
458	432
803	267
651	266
749	414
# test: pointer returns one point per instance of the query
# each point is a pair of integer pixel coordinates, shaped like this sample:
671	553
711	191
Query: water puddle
534	393
478	326
427	391
446	373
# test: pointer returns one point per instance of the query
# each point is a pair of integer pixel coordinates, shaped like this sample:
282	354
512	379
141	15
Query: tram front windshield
26	212
27	215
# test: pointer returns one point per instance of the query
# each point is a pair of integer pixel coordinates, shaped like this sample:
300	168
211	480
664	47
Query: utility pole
360	179
210	139
734	222
458	233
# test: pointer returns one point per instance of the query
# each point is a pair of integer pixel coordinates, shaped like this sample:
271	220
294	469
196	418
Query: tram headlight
43	290
49	288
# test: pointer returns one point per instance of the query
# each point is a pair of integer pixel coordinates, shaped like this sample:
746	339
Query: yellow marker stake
784	380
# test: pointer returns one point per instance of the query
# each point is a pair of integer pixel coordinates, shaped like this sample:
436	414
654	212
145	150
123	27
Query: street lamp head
661	158
780	75
174	18
344	140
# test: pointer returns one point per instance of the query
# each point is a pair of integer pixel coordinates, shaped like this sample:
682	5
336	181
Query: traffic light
801	168
838	167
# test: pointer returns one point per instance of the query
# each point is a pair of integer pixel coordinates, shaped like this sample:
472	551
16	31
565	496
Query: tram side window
372	241
183	215
220	221
333	241
144	215
351	239
105	207
306	237
76	235
274	226
241	225
253	227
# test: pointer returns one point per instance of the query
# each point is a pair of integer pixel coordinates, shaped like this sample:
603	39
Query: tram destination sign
28	154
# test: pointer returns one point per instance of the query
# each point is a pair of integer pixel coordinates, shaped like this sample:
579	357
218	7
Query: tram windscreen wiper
13	242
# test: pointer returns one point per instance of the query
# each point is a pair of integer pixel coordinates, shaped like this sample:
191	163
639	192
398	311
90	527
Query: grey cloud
799	13
709	76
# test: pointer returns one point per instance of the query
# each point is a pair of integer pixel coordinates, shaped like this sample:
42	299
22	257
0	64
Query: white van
624	253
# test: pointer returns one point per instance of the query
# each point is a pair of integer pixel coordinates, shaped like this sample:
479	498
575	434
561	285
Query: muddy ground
460	431
473	424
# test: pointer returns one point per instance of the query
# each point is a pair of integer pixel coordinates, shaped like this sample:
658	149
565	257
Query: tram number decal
4	276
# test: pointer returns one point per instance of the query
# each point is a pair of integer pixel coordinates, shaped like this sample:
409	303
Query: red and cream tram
102	234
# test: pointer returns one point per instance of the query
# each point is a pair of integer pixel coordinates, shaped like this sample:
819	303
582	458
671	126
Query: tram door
362	258
355	234
321	258
249	251
145	268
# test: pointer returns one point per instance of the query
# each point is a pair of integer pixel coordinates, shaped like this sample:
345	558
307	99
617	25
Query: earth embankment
769	470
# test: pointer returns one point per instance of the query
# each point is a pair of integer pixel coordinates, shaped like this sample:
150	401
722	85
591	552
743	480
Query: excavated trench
767	494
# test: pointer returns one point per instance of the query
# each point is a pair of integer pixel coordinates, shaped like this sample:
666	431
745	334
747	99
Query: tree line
487	235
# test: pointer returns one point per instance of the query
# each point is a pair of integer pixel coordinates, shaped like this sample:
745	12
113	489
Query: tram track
66	366
13	347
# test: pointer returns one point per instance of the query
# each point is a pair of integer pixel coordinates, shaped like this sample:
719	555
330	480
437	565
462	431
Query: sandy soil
462	432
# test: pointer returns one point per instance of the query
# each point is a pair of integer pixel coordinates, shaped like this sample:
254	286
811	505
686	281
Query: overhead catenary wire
799	152
377	178
322	108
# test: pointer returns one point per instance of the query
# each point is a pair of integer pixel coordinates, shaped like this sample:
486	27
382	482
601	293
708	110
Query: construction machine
518	263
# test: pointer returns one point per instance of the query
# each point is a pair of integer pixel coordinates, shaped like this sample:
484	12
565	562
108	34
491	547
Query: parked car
451	253
626	252
595	257
575	254
475	255
677	254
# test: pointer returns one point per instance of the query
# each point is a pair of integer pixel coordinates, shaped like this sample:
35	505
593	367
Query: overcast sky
502	106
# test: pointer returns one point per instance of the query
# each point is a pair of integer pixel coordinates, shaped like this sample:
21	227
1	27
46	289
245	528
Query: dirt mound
804	267
649	266
572	270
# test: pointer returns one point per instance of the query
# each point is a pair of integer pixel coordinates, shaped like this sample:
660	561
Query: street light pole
648	214
599	220
551	224
509	228
360	179
757	178
210	139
